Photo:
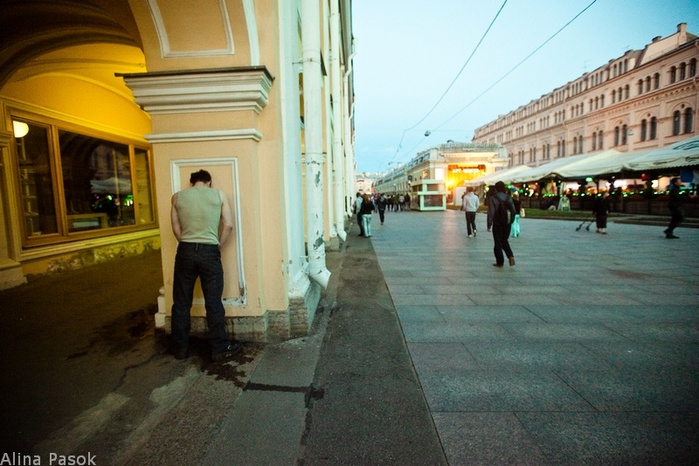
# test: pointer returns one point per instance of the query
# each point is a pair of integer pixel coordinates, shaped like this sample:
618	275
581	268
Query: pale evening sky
412	53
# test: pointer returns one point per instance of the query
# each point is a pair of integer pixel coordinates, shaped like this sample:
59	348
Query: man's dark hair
201	175
500	187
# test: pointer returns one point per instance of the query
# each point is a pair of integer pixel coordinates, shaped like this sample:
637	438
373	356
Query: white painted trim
232	162
167	52
222	135
225	90
253	37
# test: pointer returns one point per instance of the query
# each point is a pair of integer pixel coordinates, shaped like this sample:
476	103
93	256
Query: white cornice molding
201	91
245	133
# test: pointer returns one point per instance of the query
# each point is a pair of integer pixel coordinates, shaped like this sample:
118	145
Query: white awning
602	163
552	169
501	175
680	154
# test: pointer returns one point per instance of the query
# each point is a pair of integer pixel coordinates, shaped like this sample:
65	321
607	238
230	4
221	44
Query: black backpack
501	216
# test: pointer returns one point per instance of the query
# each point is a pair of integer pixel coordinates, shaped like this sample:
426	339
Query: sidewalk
585	352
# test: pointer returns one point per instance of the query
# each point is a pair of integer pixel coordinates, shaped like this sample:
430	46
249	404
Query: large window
75	184
688	123
676	123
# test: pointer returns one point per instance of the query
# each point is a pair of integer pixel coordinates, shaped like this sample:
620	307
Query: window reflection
96	182
35	172
72	183
143	191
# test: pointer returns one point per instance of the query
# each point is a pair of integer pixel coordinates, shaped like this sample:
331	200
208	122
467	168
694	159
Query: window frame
63	233
688	122
676	122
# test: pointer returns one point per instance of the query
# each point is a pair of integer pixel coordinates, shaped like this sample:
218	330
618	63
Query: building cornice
193	91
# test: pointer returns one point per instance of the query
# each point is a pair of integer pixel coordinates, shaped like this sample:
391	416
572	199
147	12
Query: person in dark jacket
600	210
358	210
366	209
381	207
676	209
501	212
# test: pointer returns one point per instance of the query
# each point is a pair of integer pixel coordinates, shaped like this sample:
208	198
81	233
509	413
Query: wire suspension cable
516	66
455	78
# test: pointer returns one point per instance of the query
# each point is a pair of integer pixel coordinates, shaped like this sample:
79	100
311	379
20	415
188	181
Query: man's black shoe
181	354
672	237
230	351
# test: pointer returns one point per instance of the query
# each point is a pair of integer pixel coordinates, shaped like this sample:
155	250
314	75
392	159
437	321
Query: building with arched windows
645	99
107	106
433	176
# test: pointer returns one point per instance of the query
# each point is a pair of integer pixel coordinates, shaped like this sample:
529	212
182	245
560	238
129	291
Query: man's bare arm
226	219
175	219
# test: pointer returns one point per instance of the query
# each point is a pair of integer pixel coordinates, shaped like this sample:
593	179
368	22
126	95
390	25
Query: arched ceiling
35	28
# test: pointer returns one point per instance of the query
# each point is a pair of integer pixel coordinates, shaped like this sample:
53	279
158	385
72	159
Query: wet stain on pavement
123	334
628	274
311	393
234	370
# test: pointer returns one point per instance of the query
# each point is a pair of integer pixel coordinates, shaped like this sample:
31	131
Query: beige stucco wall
227	97
256	188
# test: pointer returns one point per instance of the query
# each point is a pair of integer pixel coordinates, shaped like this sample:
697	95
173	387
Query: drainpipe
313	120
338	127
348	114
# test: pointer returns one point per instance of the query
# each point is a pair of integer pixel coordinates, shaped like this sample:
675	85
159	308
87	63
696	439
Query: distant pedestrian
515	231
407	201
676	209
470	204
366	209
381	207
501	212
358	211
600	209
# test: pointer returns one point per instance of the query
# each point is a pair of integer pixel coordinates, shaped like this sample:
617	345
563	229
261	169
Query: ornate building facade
107	106
644	99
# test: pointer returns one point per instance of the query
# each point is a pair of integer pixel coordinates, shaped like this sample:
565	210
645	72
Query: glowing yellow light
20	129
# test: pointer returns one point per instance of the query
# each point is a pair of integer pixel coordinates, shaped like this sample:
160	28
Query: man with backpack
501	213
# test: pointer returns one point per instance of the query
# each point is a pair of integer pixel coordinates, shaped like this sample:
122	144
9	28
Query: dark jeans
360	222
501	235
382	214
470	222
601	221
675	220
203	261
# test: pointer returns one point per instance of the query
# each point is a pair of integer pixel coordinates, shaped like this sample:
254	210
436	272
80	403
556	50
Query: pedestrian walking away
198	214
676	209
358	211
515	231
600	209
381	207
501	212
366	209
470	204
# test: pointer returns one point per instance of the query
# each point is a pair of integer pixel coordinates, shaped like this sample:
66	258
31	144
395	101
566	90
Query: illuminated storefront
434	177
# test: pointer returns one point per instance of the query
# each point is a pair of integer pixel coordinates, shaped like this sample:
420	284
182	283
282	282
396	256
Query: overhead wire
517	65
452	82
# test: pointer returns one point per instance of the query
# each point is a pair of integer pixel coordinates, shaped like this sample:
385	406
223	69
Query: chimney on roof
682	33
